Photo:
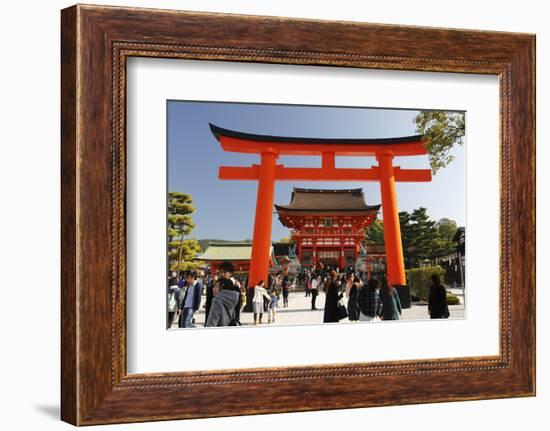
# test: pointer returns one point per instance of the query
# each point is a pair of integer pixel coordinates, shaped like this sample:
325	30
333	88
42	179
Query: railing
328	233
320	244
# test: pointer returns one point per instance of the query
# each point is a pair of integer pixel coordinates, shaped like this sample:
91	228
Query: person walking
173	293
307	283
368	299
353	303
258	301
191	300
315	281
437	302
243	300
391	305
286	290
347	281
333	296
273	304
236	321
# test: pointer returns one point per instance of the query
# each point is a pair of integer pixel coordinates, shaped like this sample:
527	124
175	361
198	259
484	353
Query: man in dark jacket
190	301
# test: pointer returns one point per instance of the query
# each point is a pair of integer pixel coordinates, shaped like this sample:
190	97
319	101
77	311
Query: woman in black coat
353	302
331	300
437	303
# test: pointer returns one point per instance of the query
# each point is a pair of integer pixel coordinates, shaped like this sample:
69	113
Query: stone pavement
299	312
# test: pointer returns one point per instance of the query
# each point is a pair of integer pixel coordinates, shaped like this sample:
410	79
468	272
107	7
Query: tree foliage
442	131
424	238
285	240
190	248
181	252
420	280
447	229
180	206
374	234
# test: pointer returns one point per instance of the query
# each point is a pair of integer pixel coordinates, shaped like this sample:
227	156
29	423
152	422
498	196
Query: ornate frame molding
96	41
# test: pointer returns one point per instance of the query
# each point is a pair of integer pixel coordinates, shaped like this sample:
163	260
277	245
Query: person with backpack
173	293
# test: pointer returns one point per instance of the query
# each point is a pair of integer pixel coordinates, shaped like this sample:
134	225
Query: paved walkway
299	312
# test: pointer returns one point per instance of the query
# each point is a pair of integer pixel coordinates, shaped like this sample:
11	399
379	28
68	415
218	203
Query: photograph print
300	215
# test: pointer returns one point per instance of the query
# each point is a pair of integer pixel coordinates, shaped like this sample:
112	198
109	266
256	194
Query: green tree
426	239
181	252
406	238
447	229
442	131
420	237
374	234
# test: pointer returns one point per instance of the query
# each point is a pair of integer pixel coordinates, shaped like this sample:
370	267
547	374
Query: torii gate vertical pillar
392	231
261	243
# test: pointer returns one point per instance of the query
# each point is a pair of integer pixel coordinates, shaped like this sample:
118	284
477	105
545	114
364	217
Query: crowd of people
348	295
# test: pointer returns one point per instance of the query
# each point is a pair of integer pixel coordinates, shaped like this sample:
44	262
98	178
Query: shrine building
327	226
237	253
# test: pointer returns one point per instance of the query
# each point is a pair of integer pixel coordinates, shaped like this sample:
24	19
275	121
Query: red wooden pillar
315	259
261	244
392	232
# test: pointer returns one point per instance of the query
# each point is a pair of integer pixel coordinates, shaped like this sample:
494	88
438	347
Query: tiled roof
323	200
228	251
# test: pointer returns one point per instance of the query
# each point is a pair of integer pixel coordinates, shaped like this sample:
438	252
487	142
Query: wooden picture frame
95	43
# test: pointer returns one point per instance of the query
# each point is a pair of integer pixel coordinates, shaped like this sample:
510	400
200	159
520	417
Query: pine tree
181	252
426	240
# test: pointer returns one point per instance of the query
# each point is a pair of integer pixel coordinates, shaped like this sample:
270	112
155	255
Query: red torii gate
267	172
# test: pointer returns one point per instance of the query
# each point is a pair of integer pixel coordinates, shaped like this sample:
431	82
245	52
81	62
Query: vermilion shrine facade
327	226
269	148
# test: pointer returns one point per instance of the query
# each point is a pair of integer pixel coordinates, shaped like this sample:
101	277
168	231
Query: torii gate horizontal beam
240	142
283	173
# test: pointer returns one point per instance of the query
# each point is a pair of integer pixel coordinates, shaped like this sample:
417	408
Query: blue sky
225	209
